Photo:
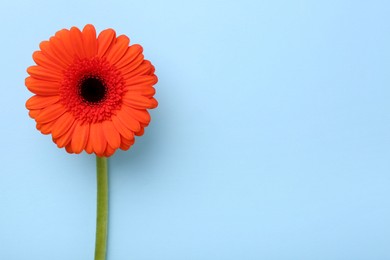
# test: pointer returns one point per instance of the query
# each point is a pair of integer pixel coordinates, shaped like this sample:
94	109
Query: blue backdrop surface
271	139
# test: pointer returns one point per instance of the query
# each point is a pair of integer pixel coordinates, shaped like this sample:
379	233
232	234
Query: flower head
91	93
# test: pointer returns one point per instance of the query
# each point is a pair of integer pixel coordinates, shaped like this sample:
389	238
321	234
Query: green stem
102	208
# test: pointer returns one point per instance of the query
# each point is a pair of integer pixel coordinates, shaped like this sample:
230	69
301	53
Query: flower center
92	90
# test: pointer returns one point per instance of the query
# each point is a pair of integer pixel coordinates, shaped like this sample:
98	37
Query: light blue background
271	140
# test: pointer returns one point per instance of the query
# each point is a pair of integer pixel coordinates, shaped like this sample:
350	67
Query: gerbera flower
91	93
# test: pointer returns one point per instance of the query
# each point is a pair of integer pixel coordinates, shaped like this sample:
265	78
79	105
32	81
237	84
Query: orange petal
126	143
138	101
121	128
42	87
50	113
64	37
80	137
132	66
143	69
47	63
39	102
61	55
111	133
129	122
105	39
89	147
49	49
148	80
140	132
77	42
109	151
46	128
132	52
90	43
34	113
152	70
62	124
118	49
143	90
154	103
42	73
140	115
66	138
99	142
68	148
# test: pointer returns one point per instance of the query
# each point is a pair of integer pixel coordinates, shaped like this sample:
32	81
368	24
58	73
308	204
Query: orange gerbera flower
91	93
